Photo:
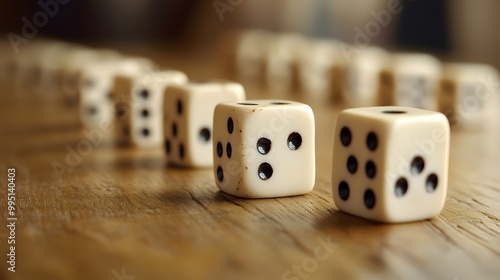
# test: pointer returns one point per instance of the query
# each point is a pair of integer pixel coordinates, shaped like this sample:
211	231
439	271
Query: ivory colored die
412	80
96	87
469	94
360	76
27	64
319	62
282	59
74	64
140	106
250	53
264	148
188	118
390	164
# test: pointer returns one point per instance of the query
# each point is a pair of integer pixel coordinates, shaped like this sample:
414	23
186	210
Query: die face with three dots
188	118
390	164
264	148
146	105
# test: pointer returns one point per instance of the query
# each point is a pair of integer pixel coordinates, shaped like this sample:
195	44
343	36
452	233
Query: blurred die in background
460	30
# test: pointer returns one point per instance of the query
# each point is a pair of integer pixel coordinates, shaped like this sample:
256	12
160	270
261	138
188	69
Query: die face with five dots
390	164
264	148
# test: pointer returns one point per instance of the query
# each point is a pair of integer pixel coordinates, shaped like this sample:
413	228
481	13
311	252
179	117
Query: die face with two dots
390	164
188	119
97	93
412	80
141	119
468	95
264	148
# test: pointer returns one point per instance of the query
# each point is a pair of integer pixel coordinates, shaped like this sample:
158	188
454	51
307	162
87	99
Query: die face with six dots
264	148
390	163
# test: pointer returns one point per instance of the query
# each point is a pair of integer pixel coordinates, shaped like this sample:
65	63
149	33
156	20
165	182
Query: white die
264	148
96	87
27	65
282	59
469	94
250	52
142	114
51	63
361	75
390	164
411	80
318	64
73	66
188	118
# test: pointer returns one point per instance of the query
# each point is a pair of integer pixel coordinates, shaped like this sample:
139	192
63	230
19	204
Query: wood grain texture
121	208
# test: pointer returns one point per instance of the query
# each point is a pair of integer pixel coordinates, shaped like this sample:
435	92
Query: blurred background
458	30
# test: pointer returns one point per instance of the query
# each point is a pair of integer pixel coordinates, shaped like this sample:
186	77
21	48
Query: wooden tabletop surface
120	213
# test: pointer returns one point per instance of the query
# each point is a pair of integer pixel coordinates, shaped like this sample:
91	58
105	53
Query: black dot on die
91	110
344	190
371	141
369	199
352	164
181	151
370	169
220	174
345	136
417	165
145	113
220	150
247	104
394	112
167	146
263	145
174	129
144	93
401	187
265	171
230	125
204	135
179	107
431	183
229	150
145	132
294	141
279	103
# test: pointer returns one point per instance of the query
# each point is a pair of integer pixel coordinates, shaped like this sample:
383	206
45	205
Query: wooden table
121	213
